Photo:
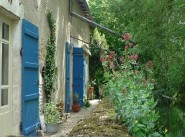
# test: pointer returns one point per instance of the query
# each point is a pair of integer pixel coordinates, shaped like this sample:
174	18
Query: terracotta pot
76	107
91	90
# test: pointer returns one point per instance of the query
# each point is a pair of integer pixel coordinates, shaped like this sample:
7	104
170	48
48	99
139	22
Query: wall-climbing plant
50	66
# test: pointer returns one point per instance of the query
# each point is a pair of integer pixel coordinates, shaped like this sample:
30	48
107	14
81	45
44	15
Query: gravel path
73	120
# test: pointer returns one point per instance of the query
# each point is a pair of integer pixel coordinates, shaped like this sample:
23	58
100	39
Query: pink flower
126	37
109	57
101	59
112	53
122	59
149	64
134	56
126	47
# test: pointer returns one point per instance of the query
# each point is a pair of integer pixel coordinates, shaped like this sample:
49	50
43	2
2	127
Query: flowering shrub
130	87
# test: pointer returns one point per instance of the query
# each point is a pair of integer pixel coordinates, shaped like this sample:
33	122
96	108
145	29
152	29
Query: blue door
67	95
30	79
78	73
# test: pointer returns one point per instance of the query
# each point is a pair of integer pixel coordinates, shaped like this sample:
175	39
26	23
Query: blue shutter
30	79
67	95
85	78
78	73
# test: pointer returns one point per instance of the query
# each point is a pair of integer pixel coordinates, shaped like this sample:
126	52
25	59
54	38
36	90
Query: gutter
92	23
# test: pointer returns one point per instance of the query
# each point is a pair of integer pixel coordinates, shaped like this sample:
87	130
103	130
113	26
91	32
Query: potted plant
91	86
52	117
86	103
76	103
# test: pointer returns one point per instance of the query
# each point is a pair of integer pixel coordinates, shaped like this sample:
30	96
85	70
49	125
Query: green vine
50	69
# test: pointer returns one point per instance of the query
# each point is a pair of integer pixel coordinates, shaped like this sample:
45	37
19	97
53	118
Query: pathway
74	119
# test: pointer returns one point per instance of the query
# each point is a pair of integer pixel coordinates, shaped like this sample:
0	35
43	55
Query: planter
76	107
52	128
91	90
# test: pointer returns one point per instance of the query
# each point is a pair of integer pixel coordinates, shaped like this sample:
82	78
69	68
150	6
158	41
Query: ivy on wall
50	65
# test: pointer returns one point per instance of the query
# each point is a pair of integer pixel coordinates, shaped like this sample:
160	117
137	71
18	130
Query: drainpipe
92	23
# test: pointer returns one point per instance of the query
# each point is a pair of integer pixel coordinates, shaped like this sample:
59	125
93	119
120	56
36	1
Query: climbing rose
126	37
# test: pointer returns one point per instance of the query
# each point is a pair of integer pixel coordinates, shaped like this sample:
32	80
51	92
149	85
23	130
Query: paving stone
73	119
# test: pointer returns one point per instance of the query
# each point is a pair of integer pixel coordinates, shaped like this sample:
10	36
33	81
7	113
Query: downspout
92	23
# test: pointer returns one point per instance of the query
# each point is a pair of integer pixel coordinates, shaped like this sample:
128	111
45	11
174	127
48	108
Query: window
4	63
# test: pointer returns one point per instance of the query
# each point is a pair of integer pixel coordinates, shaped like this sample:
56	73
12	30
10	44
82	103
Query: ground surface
100	122
73	119
95	121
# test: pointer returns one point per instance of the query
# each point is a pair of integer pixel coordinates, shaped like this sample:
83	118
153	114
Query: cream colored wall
66	25
80	30
11	7
13	12
35	11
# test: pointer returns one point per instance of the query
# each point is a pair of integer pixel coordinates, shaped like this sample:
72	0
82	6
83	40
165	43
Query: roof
85	8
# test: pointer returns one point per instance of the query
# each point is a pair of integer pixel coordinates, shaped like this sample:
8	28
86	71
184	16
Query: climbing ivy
50	66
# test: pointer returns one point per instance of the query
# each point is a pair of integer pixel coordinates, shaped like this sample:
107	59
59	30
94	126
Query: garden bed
101	121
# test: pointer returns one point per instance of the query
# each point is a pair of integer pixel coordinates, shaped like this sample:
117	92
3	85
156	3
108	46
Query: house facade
24	33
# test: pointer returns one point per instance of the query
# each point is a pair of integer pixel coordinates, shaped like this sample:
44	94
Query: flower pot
91	90
76	107
52	128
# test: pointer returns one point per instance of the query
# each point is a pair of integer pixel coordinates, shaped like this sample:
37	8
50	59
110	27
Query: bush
51	113
131	89
87	103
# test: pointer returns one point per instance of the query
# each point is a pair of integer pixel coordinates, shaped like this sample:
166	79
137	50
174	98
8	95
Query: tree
158	27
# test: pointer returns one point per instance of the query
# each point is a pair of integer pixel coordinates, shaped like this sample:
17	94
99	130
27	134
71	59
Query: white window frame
9	42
